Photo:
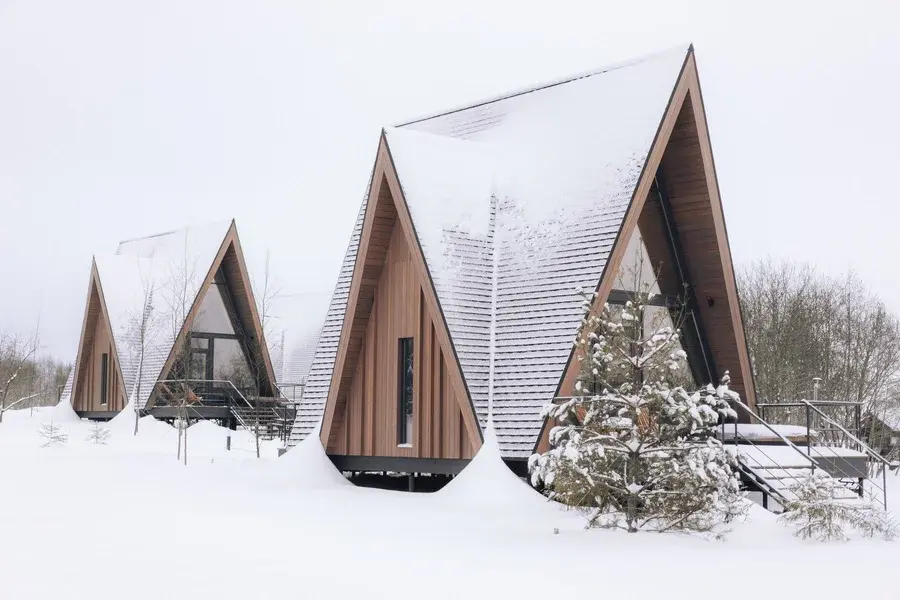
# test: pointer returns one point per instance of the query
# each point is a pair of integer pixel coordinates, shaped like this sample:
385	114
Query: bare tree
142	335
266	294
16	359
801	324
180	294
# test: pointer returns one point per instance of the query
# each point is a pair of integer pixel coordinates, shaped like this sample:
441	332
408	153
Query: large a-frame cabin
172	316
457	295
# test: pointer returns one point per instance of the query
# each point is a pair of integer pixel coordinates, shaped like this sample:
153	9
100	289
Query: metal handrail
872	455
773	430
852	437
821	402
759	471
226	381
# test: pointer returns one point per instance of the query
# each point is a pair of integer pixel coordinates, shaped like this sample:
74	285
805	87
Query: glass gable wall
638	274
218	349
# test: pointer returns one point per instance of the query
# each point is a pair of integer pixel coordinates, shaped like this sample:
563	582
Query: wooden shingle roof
517	203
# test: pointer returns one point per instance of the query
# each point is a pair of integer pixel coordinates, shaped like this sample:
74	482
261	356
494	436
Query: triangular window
214	315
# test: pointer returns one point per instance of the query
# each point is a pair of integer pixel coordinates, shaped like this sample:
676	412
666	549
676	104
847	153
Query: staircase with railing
771	462
269	418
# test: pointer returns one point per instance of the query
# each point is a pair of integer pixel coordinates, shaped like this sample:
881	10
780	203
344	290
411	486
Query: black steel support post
697	330
412	482
808	434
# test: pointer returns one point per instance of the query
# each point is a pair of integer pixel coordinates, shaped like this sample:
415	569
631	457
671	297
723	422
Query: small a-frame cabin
457	295
169	320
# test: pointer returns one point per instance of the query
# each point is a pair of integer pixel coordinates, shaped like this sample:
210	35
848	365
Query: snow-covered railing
798	413
872	457
772	429
769	472
207	383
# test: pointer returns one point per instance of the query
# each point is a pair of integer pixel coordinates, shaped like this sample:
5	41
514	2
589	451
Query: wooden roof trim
352	297
687	84
712	183
251	299
629	223
96	285
84	326
466	405
385	171
112	338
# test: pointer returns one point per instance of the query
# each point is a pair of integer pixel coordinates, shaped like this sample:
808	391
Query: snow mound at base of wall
123	423
307	464
64	413
488	482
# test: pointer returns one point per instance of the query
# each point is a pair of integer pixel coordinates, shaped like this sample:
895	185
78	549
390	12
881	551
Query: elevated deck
841	463
773	458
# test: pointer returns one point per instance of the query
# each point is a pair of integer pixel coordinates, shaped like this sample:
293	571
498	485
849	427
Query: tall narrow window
405	391
104	377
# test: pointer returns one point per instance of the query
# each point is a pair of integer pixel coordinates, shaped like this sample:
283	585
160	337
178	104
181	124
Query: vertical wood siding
98	341
366	421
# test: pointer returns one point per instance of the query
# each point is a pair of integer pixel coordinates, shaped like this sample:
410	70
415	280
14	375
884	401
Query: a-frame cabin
169	315
457	296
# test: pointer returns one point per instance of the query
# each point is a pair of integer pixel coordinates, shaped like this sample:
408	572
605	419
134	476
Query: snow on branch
634	448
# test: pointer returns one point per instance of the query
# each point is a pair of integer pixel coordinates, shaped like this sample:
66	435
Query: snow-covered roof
517	203
891	417
297	321
162	275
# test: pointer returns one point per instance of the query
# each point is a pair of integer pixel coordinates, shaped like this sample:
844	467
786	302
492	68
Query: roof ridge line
553	83
176	230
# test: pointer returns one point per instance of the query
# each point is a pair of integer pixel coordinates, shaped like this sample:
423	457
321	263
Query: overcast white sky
122	119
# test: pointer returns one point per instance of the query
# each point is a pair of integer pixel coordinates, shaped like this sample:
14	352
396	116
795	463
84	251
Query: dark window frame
104	379
405	389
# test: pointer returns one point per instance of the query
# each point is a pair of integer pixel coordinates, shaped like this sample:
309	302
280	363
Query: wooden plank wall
365	421
685	183
98	340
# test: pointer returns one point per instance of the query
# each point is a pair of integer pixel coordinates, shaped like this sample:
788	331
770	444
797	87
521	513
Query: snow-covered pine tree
817	513
634	449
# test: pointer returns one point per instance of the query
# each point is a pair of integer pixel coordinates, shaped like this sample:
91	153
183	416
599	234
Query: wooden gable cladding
685	183
230	258
367	422
392	296
681	157
97	340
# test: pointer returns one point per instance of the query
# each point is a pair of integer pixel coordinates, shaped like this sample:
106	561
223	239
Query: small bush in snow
633	449
98	435
819	513
52	435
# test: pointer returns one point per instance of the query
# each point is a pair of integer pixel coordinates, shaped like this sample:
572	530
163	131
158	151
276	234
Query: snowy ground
126	520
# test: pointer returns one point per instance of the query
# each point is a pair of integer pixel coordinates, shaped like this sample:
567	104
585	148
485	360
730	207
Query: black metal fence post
809	438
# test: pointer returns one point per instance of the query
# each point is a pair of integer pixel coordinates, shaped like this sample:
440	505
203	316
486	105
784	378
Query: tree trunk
180	431
257	431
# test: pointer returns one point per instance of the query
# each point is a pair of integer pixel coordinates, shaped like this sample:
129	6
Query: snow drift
64	413
308	464
487	482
